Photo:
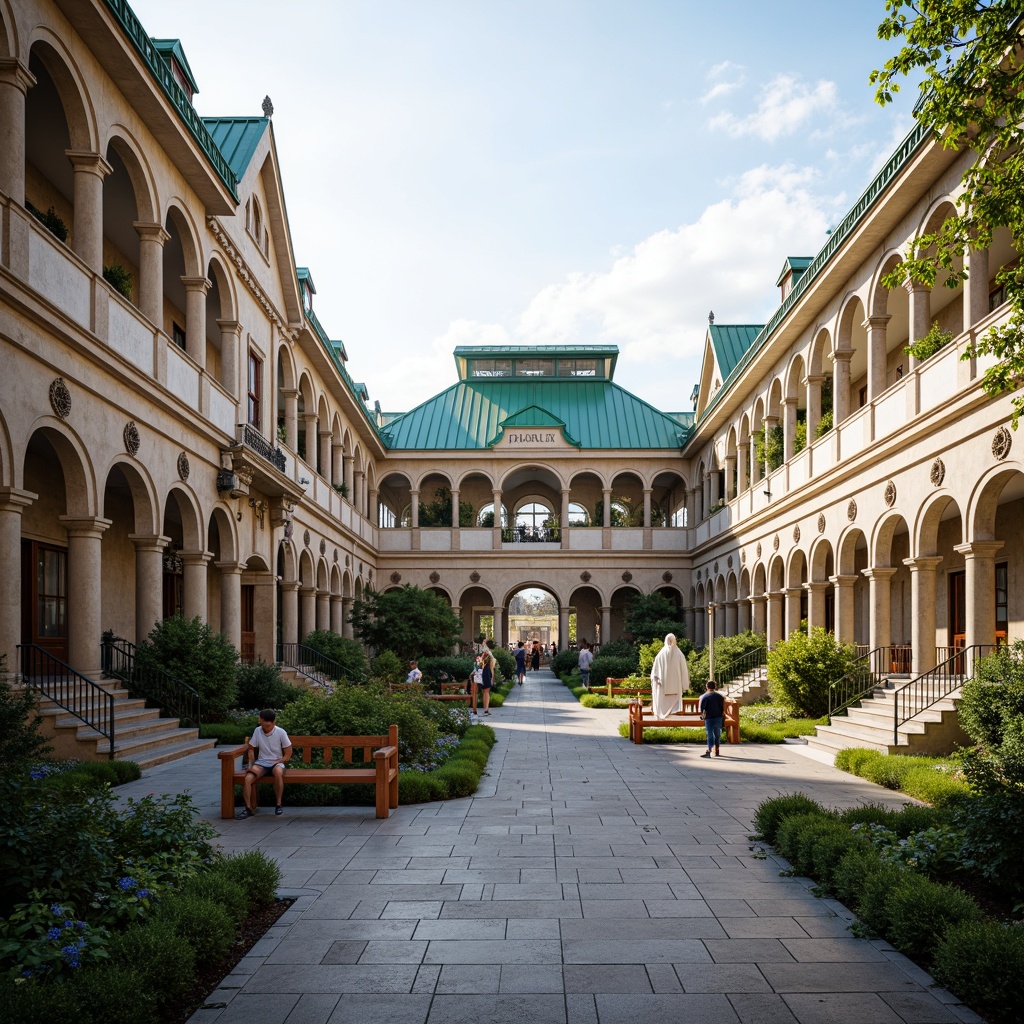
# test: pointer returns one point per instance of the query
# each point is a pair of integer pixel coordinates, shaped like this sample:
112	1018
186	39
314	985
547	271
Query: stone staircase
140	734
749	687
870	724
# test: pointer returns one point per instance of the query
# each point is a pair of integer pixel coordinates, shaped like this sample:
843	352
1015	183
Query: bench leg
227	790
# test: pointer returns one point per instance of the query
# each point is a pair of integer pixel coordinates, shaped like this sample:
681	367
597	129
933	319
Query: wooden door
44	578
248	624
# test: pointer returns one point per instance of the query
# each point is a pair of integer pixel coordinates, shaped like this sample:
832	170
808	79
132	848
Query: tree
411	622
439	511
652	617
802	668
969	53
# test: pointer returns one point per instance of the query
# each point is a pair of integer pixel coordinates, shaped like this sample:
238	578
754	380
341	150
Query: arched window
578	515
485	517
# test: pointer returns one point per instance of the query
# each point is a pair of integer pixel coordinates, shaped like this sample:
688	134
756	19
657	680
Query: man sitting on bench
273	750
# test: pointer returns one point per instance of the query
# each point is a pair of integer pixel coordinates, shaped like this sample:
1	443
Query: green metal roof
794	265
237	138
472	414
172	48
730	341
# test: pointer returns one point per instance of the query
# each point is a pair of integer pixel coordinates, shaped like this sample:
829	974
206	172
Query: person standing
486	676
415	675
520	657
272	750
670	679
535	656
712	709
585	658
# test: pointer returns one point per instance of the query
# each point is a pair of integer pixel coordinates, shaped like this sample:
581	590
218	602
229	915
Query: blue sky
514	171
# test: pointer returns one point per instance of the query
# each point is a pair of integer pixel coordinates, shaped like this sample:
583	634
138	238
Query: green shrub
983	962
413	788
388	668
462	777
190	651
794	836
830	845
257	873
165	960
611	666
114	994
126	771
259	685
565	662
20	740
205	925
651	617
771	813
930	783
506	664
37	1002
873	901
803	667
992	839
119	278
853	759
728	650
346	653
220	889
920	911
855	867
870	814
227	734
458	670
599	700
935	339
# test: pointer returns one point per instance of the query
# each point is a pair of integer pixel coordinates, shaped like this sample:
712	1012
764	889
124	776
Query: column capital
230	568
13	72
923	563
197	284
85	526
794	591
91	163
842	355
878	320
843	581
915	287
149	541
195	557
882	572
816	588
979	549
13	498
291	586
150	232
234	327
814	378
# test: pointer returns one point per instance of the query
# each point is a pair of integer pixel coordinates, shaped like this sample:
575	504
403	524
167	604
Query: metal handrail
932	686
174	698
740	666
303	658
60	683
863	677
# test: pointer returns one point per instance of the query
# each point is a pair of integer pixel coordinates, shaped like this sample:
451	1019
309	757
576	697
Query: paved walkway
589	881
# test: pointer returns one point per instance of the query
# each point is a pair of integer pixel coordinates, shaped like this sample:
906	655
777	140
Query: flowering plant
42	939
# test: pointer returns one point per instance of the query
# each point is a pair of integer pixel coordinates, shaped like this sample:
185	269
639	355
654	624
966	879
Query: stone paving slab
589	881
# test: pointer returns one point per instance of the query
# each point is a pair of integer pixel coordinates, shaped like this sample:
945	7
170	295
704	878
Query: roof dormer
306	287
792	270
173	55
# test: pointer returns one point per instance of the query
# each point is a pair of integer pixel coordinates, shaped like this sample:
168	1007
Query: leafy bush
850	876
257	873
824	424
872	901
346	653
190	651
802	668
565	662
458	670
413	623
935	339
795	834
925	778
619	649
204	924
728	650
652	616
920	911
113	994
227	734
388	668
606	666
506	664
166	961
119	278
220	889
992	839
20	741
259	685
853	759
771	813
983	962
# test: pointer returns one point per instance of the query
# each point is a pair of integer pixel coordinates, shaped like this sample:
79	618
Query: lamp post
711	641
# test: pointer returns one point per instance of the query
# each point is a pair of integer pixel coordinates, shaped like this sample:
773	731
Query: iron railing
68	689
174	698
734	670
310	663
932	686
872	667
530	535
254	440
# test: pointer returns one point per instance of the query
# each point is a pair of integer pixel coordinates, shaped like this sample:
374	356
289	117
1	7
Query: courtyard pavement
588	881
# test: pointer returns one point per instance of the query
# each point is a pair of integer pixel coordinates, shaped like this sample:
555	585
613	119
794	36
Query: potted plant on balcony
119	278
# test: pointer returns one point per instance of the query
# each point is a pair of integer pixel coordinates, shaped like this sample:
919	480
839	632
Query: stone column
813	384
776	616
880	623
816	593
151	272
359	491
922	613
307	610
346	617
496	534
149	580
788	428
15	82
606	495
980	589
323	609
743	613
373	511
350	476
690	620
291	418
336	614
323	462
606	623
730	618
338	465
290	612
875	326
793	600
563	628
920	312
231	602
12	502
194	579
845	609
87	233
309	430
455	509
499	626
196	290
730	476
975	289
742	466
230	347
841	385
85	598
759	613
564	511
647	508
414	512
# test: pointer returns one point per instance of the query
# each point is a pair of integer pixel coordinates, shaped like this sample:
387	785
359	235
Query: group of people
670	679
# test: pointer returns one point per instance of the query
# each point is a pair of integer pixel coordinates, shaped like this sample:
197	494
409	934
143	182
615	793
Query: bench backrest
343	749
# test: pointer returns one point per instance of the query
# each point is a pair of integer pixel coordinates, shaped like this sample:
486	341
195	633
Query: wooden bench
641	718
612	687
379	751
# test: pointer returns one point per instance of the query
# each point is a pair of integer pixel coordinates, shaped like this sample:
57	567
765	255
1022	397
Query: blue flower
143	894
27	973
69	923
37	773
126	883
80	925
54	933
57	910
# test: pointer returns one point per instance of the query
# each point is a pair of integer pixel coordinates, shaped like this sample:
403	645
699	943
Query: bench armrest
237	752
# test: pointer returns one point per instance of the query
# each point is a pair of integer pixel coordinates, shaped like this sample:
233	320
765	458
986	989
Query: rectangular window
1002	602
255	391
535	367
577	368
178	335
491	368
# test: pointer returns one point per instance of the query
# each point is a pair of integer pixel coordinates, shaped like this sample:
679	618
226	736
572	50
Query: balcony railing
254	440
311	663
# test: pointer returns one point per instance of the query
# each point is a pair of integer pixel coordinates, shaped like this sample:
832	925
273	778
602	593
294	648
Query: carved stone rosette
306	538
183	466
796	534
434	576
474	576
890	494
821	522
938	473
585	576
1001	443
627	576
851	510
396	577
130	434
60	398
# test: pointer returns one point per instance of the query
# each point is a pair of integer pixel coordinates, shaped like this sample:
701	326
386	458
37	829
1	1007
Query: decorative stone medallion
728	561
60	398
796	534
288	526
335	556
743	557
183	467
758	549
434	576
938	473
323	546
716	568
851	510
627	576
346	561
775	543
698	574
396	577
1001	443
821	522
890	494
306	538
475	576
667	576
130	434
585	576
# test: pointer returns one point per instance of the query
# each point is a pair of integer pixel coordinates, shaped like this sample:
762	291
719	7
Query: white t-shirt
270	746
414	676
586	657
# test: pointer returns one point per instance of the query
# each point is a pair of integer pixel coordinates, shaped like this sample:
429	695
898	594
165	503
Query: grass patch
935	780
750	732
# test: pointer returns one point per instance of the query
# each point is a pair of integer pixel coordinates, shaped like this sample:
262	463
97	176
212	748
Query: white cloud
786	104
725	78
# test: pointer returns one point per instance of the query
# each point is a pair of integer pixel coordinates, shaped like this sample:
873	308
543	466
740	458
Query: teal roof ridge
173	46
237	138
917	137
161	72
533	416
